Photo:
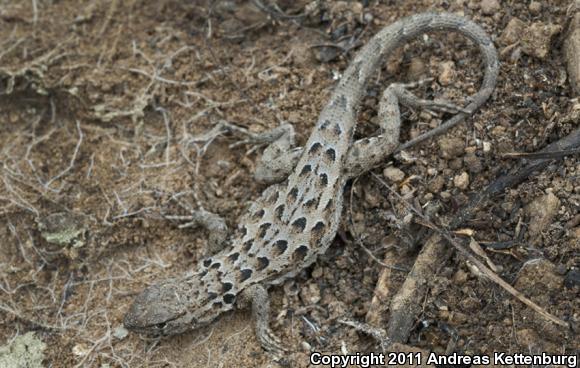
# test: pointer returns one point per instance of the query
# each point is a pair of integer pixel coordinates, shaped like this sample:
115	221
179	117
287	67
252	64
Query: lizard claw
409	99
273	345
444	106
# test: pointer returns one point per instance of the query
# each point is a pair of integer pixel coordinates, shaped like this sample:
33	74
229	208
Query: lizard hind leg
257	296
369	152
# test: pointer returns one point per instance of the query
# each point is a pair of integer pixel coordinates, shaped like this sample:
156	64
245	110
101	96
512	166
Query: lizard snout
147	314
140	314
160	310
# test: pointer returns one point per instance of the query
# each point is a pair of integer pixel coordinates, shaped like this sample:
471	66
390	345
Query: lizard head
172	307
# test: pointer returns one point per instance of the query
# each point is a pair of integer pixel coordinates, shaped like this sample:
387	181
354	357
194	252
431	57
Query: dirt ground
105	109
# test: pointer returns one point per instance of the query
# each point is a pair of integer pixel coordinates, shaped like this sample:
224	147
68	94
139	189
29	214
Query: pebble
512	33
294	117
489	7
317	273
486	146
450	147
447	73
436	185
461	181
460	277
120	332
393	174
535	7
416	69
538	273
310	294
541	212
473	163
537	39
455	164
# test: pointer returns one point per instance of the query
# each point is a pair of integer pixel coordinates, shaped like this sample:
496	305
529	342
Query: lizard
295	221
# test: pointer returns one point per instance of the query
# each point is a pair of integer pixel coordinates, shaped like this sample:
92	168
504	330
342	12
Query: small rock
538	37
512	32
455	164
441	305
450	147
461	181
447	73
541	212
337	309
573	222
527	337
80	350
371	198
538	274
416	69
535	7
460	277
489	7
498	131
294	117
317	273
393	174
486	146
305	346
120	332
368	18
473	163
310	294
436	185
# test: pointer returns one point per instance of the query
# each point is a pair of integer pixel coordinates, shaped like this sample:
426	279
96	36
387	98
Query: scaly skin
294	222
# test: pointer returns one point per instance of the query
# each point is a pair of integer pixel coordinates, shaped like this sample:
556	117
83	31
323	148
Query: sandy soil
104	106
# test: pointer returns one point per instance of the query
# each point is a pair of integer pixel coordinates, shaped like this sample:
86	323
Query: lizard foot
379	334
272	344
409	99
215	225
257	296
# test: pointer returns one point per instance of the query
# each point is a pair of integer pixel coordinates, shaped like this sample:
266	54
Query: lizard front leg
279	157
257	296
214	224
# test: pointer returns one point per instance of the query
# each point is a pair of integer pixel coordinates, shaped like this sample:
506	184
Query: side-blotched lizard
295	221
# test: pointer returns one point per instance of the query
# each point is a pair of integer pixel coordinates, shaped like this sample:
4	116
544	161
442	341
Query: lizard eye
161	326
